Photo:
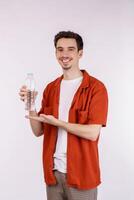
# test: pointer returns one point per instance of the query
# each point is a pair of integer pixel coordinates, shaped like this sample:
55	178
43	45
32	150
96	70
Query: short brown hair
69	34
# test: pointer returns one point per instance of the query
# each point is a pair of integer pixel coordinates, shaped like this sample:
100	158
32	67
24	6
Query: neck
72	74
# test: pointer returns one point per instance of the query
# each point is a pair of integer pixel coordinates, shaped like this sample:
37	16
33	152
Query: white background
27	29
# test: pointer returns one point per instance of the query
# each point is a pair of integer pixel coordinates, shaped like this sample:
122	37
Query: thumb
42	115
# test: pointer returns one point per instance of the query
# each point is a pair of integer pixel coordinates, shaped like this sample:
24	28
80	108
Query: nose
65	53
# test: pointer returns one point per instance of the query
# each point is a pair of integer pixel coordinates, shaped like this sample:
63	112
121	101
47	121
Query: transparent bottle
30	99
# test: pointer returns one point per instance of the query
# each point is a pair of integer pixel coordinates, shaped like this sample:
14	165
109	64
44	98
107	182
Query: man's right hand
23	93
37	127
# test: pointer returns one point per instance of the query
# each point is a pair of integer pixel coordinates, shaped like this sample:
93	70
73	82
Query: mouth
65	61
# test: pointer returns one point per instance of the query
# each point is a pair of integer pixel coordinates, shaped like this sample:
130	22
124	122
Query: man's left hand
49	119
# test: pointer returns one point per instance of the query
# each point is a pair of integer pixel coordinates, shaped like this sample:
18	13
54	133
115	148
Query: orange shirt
89	106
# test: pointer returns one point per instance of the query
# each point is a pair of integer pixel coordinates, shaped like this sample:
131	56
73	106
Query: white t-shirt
68	89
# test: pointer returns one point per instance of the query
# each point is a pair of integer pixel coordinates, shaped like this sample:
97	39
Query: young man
74	108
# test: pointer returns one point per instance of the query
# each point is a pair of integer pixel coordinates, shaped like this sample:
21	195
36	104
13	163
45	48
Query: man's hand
36	126
90	132
24	92
49	119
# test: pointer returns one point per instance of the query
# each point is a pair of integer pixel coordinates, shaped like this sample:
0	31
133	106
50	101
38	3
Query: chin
67	67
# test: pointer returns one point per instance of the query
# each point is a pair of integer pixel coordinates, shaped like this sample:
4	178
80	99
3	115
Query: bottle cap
29	74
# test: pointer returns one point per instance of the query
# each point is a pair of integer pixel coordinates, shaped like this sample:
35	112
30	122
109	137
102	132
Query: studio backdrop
27	30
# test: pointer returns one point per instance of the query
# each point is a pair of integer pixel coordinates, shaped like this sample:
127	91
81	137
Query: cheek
76	57
57	56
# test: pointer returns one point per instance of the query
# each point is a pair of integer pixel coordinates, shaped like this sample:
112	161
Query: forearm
36	126
89	132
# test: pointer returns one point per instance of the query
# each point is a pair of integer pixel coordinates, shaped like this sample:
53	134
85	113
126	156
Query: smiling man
68	54
74	108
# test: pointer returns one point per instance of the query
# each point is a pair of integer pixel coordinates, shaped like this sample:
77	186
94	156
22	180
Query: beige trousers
61	191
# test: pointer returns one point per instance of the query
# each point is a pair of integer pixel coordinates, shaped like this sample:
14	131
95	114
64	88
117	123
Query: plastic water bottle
30	99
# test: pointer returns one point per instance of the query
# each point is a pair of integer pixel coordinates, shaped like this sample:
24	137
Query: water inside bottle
30	101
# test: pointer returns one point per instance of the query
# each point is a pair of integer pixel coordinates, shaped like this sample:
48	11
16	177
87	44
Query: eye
59	50
71	49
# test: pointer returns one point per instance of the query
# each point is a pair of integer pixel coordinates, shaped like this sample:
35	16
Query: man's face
67	53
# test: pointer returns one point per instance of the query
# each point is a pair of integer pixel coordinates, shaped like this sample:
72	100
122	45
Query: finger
22	99
22	96
31	117
34	118
23	87
23	90
22	93
43	115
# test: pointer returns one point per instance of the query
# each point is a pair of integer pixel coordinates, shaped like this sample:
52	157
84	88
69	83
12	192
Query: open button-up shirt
89	106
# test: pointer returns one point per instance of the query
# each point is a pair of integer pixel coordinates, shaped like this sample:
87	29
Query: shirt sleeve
43	102
98	108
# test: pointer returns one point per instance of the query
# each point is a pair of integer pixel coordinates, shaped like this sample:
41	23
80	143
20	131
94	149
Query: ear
80	53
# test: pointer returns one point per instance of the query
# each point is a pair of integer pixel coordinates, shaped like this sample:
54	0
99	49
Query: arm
90	132
36	126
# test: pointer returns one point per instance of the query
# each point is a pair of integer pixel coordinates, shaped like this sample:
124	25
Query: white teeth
65	60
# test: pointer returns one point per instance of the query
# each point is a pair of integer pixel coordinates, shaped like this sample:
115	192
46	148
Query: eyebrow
71	47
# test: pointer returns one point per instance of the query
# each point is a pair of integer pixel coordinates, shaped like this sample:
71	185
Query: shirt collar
85	82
